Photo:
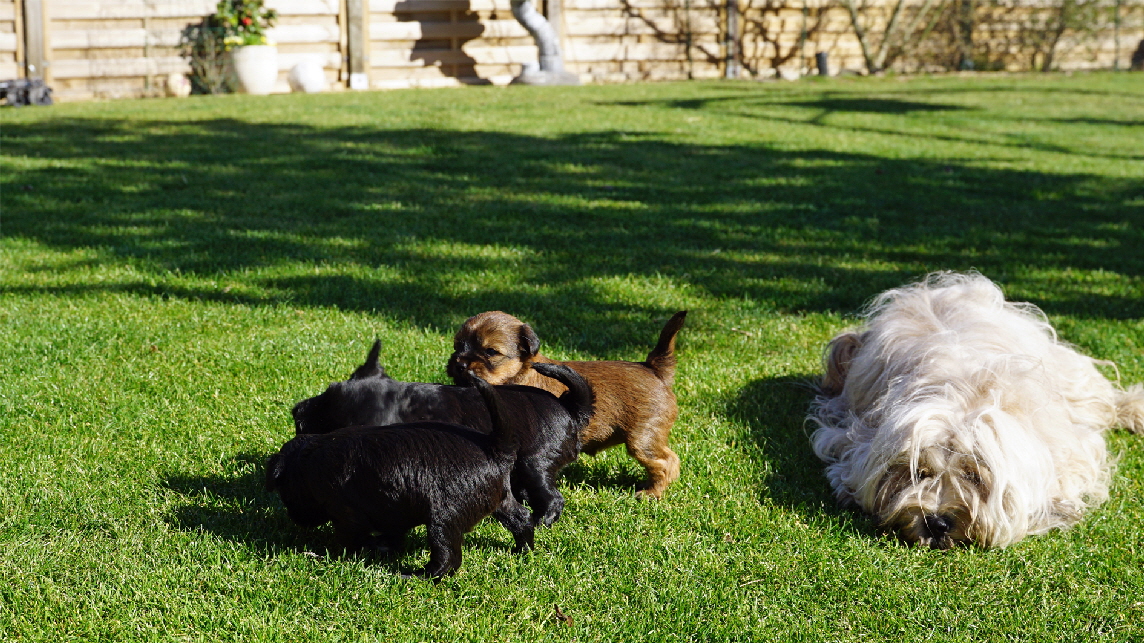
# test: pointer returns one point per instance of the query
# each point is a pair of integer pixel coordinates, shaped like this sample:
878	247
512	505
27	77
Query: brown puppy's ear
529	342
839	353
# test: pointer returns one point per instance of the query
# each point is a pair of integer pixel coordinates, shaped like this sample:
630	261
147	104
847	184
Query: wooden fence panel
626	40
439	43
121	48
310	31
10	41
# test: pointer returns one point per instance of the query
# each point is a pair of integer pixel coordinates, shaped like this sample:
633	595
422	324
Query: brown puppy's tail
661	359
504	433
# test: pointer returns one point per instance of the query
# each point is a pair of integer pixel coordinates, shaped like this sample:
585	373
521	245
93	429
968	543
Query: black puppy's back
371	397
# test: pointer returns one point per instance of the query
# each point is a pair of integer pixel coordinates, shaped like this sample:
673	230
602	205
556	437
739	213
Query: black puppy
377	483
548	428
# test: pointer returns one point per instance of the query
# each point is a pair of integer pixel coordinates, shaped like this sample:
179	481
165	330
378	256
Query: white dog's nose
939	528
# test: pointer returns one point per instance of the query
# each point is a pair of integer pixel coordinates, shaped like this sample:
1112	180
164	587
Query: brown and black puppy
634	404
547	428
376	483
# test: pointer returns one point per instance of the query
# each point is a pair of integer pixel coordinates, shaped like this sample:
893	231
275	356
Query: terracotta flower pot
256	67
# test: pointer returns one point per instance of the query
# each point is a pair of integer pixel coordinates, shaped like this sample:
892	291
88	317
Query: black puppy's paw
523	541
551	515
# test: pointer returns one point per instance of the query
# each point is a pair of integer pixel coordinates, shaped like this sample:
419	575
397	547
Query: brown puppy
634	403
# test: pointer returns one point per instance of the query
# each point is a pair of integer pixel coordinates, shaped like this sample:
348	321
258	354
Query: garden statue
550	70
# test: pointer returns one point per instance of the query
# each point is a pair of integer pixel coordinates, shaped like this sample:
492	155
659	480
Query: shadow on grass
897	102
876	105
429	226
774	409
596	474
235	506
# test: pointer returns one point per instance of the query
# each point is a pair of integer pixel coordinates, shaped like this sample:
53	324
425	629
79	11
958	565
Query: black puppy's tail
504	433
661	359
370	368
578	398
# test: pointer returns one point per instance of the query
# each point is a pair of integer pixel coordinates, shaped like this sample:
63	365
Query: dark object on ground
822	60
21	92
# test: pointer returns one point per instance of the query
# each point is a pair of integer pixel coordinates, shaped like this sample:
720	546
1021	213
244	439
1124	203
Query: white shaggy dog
955	416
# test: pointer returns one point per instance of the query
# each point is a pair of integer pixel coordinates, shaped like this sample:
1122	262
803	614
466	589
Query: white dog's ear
839	353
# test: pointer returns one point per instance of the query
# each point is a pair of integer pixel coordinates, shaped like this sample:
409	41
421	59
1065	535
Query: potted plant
253	55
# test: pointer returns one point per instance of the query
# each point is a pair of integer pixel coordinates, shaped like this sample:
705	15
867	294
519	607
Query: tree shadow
774	410
598	475
412	224
443	35
870	105
759	105
1101	122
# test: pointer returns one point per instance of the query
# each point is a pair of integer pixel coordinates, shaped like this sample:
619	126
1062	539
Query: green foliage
175	274
206	44
202	45
245	21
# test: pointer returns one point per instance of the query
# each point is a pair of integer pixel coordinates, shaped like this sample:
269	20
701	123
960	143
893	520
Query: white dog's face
955	417
933	479
934	502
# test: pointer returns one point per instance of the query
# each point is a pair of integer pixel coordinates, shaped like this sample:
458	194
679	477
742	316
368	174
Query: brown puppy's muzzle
458	368
462	366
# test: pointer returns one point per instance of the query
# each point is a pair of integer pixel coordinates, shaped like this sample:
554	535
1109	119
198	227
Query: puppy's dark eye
924	474
491	352
972	478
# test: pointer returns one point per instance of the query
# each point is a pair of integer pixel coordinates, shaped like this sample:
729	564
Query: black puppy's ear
371	368
529	342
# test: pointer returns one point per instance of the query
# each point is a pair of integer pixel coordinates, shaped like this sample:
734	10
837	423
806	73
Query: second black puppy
377	483
548	429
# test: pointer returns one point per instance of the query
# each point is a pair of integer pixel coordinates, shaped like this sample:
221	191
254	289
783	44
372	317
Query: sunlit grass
175	274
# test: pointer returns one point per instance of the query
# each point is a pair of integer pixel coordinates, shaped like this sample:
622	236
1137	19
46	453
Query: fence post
35	59
731	66
1116	38
357	32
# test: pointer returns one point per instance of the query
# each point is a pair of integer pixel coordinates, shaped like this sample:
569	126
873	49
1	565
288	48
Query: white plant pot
256	67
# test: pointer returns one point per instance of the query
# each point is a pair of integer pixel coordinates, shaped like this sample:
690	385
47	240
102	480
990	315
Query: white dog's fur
955	416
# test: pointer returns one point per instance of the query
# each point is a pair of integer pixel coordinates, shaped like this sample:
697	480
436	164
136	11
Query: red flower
246	21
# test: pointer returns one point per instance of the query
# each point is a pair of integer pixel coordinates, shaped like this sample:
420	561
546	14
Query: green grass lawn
175	274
